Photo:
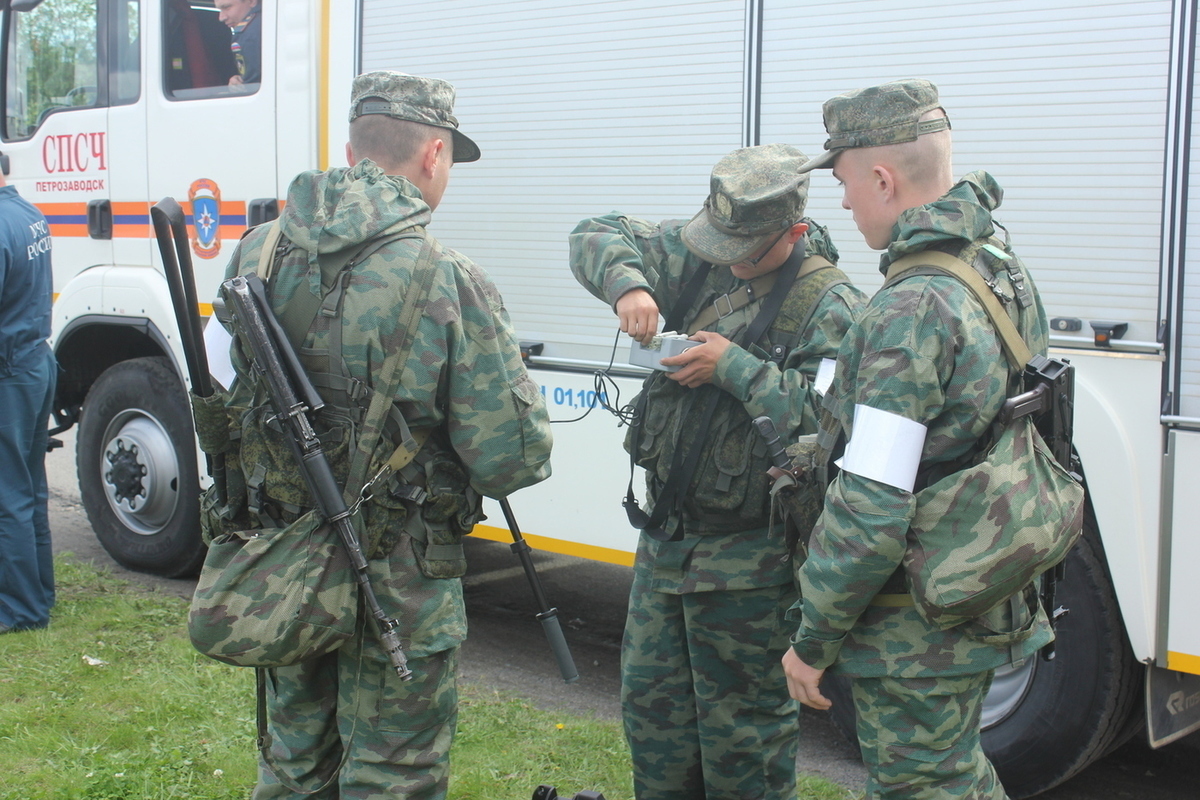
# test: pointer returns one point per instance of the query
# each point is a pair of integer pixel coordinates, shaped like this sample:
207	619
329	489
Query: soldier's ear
798	230
883	182
435	151
350	159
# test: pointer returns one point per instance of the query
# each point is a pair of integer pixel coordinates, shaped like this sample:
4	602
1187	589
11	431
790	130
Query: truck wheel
1047	720
136	461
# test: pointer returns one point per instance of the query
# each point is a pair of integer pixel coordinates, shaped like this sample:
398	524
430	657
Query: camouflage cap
429	101
878	115
754	193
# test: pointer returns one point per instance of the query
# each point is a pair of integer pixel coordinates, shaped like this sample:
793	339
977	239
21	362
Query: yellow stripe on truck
1182	662
549	545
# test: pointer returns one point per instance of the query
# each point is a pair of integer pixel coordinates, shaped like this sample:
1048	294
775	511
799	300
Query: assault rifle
294	398
1049	385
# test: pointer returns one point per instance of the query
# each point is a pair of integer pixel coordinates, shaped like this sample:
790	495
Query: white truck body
1084	115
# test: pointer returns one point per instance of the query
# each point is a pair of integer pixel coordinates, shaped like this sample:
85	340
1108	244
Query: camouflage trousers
383	736
920	738
703	695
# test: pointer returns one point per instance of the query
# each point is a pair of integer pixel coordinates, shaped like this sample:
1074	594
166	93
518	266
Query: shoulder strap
1010	338
800	308
384	397
756	289
266	256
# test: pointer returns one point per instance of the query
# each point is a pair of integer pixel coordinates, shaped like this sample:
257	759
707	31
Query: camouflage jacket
725	543
923	349
464	378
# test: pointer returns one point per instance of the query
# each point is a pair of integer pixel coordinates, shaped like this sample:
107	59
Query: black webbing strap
674	321
687	298
683	466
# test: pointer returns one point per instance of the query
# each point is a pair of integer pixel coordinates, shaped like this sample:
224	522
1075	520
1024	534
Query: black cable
626	415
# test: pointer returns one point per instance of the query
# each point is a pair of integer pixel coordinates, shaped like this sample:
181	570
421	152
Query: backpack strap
383	399
266	257
687	297
1015	349
800	308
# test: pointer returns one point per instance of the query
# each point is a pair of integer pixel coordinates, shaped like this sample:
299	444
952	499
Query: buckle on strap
716	304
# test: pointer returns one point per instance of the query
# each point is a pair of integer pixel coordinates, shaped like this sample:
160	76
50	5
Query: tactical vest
729	489
428	497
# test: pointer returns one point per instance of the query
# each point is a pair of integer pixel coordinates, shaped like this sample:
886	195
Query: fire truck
1084	115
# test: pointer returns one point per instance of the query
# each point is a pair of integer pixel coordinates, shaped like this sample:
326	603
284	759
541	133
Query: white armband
824	378
885	447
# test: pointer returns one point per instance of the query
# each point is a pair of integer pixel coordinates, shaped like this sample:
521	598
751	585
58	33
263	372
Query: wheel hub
126	473
140	472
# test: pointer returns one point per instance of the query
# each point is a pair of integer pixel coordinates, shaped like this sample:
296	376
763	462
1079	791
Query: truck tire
1045	721
136	460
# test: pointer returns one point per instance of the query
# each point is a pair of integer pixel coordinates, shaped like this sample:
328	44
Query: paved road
507	650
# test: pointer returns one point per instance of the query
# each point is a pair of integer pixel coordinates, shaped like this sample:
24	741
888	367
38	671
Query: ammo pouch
798	492
436	515
982	534
213	422
728	488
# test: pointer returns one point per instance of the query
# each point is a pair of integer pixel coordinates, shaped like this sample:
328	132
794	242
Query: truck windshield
51	63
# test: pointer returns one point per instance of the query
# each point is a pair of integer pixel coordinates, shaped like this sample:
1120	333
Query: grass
112	702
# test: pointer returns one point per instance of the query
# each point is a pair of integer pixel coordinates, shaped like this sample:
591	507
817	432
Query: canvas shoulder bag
983	533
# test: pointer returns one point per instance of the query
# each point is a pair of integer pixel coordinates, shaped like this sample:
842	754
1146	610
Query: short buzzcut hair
391	142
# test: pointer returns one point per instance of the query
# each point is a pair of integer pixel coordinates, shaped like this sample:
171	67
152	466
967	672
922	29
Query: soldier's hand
804	682
638	314
700	362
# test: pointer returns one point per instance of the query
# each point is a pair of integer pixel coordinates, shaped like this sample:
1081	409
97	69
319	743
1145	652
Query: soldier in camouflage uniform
464	383
923	371
705	704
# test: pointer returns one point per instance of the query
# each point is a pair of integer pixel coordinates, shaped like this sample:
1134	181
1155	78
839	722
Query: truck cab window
51	63
212	48
127	66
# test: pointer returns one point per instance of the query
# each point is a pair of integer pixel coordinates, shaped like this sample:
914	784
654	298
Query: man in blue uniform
27	374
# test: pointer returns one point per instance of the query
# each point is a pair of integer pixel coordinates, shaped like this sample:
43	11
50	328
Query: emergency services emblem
205	199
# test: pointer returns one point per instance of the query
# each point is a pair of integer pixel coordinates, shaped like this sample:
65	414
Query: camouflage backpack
285	593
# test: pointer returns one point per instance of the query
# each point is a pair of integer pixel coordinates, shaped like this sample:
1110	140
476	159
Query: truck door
68	65
211	131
